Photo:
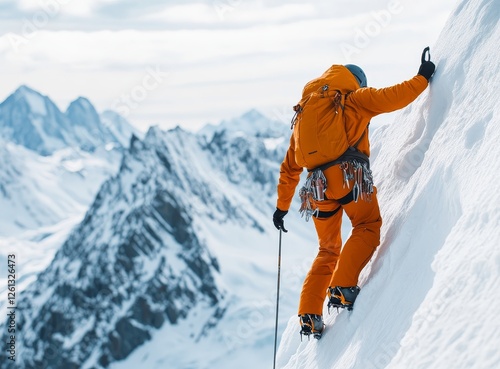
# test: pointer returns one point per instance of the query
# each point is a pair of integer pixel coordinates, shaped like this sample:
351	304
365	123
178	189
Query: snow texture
45	178
32	120
139	270
174	263
430	298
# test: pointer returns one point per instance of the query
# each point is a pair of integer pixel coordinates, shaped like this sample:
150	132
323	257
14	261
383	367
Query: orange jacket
361	105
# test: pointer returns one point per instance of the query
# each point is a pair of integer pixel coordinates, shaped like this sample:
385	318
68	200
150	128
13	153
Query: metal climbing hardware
313	191
347	174
362	176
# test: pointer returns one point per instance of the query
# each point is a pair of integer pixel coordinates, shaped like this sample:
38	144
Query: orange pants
336	265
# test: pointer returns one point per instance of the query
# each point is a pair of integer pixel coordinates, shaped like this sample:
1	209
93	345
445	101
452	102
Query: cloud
221	13
258	54
72	7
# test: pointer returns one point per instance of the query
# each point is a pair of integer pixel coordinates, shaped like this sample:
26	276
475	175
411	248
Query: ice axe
427	67
426	54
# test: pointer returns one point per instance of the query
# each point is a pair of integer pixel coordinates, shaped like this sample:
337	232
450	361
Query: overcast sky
192	62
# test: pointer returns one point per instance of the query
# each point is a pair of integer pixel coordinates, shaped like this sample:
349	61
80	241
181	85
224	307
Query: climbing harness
362	176
312	192
355	167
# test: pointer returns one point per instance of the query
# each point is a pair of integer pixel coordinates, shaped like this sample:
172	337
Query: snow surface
247	125
430	299
245	245
35	100
39	191
42	199
32	120
119	127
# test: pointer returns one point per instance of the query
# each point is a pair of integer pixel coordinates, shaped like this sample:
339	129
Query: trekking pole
277	302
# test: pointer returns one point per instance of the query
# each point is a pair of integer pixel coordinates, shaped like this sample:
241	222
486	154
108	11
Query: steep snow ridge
34	100
119	127
47	176
87	124
43	197
29	119
136	258
140	265
187	160
430	298
238	172
163	259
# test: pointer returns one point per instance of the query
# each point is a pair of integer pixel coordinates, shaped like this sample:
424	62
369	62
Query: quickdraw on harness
312	191
355	166
363	179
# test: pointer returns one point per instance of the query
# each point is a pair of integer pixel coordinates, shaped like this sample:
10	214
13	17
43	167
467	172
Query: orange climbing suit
336	265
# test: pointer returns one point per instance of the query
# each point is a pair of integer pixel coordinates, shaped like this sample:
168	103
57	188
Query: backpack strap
351	153
360	139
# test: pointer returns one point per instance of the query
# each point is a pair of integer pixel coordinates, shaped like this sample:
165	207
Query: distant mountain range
166	248
29	119
53	163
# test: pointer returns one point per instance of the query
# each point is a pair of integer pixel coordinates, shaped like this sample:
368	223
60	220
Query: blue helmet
358	73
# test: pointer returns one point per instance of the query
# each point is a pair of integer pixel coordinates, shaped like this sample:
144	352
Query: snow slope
53	163
208	194
38	191
430	299
43	195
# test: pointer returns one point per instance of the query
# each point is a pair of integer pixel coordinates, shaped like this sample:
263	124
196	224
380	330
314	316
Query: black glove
278	219
427	69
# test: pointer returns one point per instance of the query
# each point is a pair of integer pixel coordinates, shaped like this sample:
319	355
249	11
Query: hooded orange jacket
361	105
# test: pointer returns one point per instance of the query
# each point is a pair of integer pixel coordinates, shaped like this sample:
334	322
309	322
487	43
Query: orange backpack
319	128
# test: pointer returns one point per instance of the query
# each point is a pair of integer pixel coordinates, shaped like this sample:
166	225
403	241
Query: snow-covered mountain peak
253	116
174	264
32	120
252	123
24	89
119	127
82	112
82	102
34	100
29	119
153	133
